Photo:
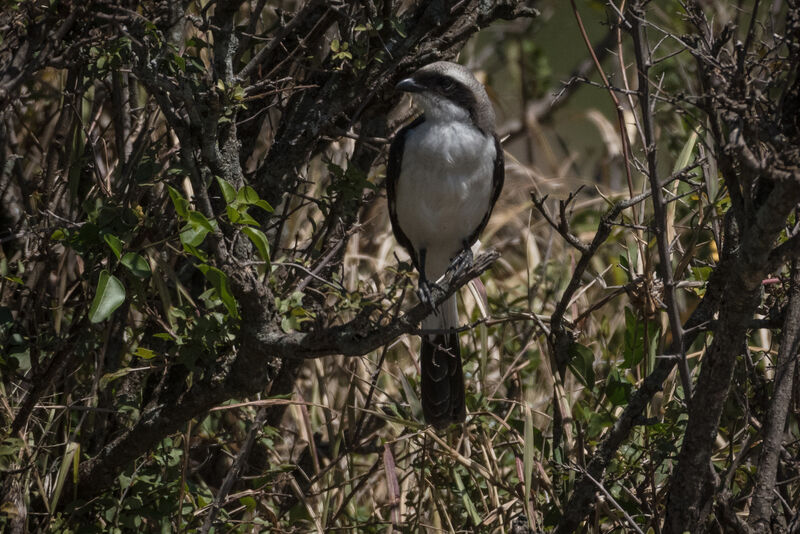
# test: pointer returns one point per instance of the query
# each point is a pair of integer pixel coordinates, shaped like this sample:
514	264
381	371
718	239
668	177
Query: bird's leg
425	286
461	262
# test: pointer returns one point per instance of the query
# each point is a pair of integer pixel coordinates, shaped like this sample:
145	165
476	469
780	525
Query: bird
444	174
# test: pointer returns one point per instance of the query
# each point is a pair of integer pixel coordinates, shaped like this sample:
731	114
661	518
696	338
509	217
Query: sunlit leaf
193	235
248	502
228	192
196	229
107	378
145	354
247	195
260	241
411	396
219	280
245	218
198	219
264	205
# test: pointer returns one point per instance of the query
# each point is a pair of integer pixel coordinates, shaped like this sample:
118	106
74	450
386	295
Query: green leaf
145	354
248	502
196	42
686	153
197	218
219	280
114	243
264	205
228	192
107	378
69	460
468	504
598	422
196	252
617	389
11	446
181	62
411	396
136	264
109	296
193	235
259	239
633	350
581	363
180	203
247	195
197	228
245	218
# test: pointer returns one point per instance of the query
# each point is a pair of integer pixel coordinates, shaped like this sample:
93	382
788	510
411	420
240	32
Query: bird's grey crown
456	83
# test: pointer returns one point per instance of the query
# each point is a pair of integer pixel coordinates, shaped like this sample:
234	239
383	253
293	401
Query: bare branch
785	366
643	60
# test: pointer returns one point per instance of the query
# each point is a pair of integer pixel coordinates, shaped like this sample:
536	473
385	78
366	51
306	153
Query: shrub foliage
205	323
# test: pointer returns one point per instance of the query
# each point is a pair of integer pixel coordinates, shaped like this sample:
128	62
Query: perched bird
444	175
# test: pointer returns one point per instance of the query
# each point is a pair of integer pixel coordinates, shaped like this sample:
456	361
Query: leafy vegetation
205	322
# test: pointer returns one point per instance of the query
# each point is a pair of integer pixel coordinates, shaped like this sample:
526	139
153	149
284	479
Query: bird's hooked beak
409	85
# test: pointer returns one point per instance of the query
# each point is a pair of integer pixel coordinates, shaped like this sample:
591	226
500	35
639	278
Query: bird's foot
424	292
460	263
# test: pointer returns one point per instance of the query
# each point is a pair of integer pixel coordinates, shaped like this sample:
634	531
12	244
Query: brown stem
643	60
785	365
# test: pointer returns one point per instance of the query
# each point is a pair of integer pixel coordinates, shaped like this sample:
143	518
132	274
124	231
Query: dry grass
351	452
397	472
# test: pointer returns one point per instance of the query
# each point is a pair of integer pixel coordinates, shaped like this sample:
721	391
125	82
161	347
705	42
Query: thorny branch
211	145
643	61
197	126
748	254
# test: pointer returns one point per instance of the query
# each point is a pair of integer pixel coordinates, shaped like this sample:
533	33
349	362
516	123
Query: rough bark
771	445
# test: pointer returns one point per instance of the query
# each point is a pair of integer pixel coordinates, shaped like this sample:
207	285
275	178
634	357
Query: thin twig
610	498
642	52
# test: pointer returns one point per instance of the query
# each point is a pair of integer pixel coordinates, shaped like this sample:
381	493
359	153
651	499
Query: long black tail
442	380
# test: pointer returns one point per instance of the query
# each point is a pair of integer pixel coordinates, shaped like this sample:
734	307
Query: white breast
444	188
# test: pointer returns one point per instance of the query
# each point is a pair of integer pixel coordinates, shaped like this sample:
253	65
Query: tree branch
584	493
643	60
785	365
259	340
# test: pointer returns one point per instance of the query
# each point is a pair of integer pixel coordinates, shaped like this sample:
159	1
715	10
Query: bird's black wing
393	168
498	177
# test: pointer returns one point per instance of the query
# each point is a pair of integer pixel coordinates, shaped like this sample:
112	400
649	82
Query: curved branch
249	372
